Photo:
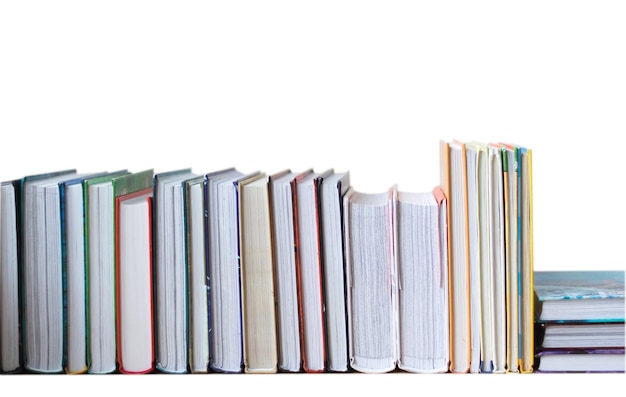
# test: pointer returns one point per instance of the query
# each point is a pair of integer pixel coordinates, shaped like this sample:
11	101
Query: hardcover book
576	360
577	295
134	287
74	285
42	272
579	335
170	270
198	293
332	189
10	358
260	347
309	269
283	245
224	271
99	201
454	183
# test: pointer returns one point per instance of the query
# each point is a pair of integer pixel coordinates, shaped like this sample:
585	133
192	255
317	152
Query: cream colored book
454	182
260	346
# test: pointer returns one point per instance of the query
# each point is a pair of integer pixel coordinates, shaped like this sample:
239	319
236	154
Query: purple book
581	360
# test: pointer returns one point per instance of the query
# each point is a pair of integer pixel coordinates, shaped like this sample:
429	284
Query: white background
365	86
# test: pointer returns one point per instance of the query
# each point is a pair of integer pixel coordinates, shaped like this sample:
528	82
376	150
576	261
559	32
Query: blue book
591	296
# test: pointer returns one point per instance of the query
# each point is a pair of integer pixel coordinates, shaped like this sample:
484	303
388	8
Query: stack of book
579	321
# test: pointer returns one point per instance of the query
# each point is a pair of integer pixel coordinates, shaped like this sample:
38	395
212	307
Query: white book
332	191
283	230
371	280
101	278
9	289
136	340
223	254
308	260
170	270
423	315
197	276
42	272
497	256
474	249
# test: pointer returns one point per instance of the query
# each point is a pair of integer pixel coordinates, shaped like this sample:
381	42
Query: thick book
135	331
579	295
332	189
260	346
42	324
99	201
171	270
283	243
224	274
422	260
305	191
10	357
198	294
371	280
453	167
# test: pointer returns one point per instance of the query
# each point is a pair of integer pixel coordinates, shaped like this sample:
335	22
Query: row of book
233	272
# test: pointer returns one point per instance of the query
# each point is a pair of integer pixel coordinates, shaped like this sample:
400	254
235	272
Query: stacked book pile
227	271
580	321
